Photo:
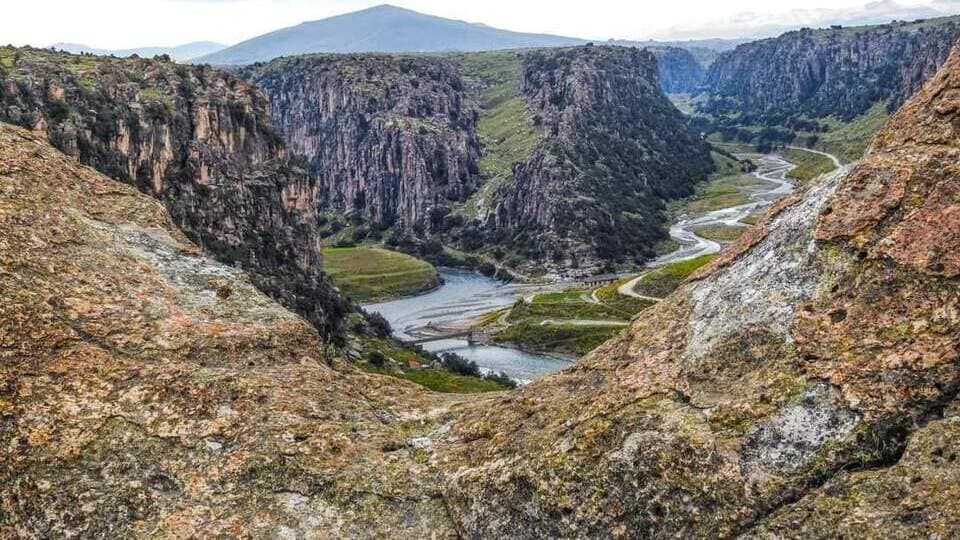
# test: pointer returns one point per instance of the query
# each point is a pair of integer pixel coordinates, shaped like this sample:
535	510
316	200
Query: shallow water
465	295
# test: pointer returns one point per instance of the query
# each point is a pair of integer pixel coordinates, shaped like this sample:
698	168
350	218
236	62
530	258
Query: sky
116	24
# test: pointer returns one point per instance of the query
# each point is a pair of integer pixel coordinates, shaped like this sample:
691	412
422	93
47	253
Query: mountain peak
384	28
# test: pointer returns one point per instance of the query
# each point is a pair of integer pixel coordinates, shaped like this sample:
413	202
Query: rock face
680	72
613	149
840	72
389	137
805	380
147	390
195	138
395	140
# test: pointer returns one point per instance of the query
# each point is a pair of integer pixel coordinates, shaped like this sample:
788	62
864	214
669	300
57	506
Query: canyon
407	142
176	362
802	381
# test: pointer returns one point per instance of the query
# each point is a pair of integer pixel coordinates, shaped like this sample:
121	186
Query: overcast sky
118	24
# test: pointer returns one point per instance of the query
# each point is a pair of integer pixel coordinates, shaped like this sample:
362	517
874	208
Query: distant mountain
385	29
181	53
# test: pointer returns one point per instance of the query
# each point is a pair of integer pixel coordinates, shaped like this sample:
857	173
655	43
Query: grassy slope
368	274
848	140
526	320
808	165
722	192
664	280
720	232
437	380
504	125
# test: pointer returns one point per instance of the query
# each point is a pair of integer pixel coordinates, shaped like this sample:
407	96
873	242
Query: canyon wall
194	137
395	141
613	150
389	137
680	72
839	72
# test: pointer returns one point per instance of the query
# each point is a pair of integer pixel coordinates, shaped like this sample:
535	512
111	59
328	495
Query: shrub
377	359
458	364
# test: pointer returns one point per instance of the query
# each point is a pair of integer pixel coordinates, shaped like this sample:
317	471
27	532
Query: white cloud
127	23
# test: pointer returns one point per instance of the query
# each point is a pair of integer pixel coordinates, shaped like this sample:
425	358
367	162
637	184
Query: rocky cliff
389	137
838	72
802	384
612	149
680	72
197	139
397	141
147	390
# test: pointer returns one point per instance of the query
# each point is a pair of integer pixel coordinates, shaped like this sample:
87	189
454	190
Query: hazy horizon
176	22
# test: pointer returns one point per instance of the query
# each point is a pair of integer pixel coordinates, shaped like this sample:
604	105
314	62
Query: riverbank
374	274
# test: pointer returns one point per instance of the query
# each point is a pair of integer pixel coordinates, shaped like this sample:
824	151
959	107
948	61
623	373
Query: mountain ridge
381	29
184	52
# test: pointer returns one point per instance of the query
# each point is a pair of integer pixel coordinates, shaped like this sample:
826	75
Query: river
772	169
465	295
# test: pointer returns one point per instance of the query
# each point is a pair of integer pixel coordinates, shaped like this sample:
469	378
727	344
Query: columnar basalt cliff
389	137
838	72
196	138
804	382
613	149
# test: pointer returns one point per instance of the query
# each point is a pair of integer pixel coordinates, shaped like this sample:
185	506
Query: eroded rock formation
195	138
613	150
389	137
147	390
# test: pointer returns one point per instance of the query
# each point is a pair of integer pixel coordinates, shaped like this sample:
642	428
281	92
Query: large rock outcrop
146	390
804	382
839	72
390	138
197	139
613	149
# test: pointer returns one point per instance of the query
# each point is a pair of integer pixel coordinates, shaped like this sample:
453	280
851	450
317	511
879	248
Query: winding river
466	295
772	170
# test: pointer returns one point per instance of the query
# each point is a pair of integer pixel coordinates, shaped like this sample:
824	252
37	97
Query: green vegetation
717	194
559	322
752	219
720	232
368	274
849	140
809	165
504	126
559	338
544	307
664	280
626	306
387	357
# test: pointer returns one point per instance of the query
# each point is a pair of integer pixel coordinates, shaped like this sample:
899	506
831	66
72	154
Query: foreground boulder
804	382
145	389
